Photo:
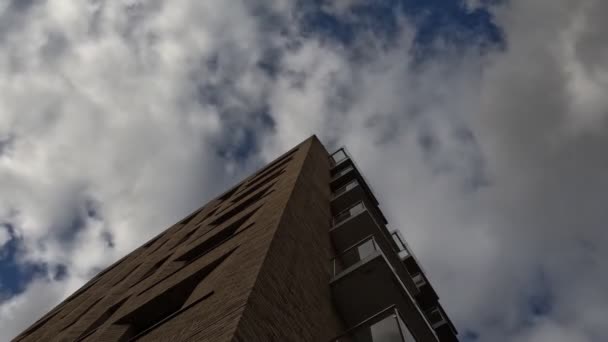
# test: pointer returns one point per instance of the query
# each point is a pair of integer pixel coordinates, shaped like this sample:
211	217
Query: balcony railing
385	326
339	156
350	212
350	185
343	172
402	249
354	254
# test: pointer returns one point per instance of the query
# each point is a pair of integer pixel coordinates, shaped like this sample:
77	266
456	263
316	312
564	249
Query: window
81	314
126	275
101	319
159	246
166	305
242	206
215	240
151	242
269	170
185	238
256	186
228	194
277	163
190	217
151	270
211	213
207	245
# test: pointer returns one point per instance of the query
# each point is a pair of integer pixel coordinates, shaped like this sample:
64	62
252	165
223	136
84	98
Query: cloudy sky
481	125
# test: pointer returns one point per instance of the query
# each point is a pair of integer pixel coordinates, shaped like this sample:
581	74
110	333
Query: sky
481	125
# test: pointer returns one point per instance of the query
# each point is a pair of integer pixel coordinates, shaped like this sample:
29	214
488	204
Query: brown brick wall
271	286
291	300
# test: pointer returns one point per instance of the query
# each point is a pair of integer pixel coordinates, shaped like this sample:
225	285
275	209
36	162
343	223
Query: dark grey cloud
491	164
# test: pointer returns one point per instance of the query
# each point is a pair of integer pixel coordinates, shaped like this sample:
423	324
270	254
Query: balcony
443	326
355	223
365	282
385	326
347	195
403	249
338	157
426	297
345	172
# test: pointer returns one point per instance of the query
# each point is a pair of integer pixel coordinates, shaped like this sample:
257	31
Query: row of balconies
377	284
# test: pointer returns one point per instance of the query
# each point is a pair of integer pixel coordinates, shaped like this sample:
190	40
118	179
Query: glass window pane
386	330
357	208
339	156
366	249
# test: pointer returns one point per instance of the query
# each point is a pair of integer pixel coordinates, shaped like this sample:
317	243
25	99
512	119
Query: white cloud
492	166
5	236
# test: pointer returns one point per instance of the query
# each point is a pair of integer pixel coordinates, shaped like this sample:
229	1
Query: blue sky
490	125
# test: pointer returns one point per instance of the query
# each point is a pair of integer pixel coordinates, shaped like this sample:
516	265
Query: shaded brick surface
273	284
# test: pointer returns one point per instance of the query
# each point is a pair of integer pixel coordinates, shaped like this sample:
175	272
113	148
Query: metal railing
406	247
353	210
354	254
350	185
385	326
339	156
343	172
402	249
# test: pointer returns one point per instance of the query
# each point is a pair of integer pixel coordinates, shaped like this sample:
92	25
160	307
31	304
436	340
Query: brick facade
251	265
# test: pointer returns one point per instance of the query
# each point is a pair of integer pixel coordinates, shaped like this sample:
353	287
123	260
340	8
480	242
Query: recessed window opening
268	177
159	246
190	217
228	194
211	213
102	319
126	275
217	239
257	186
151	270
269	171
184	238
242	206
207	246
151	242
81	314
157	310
